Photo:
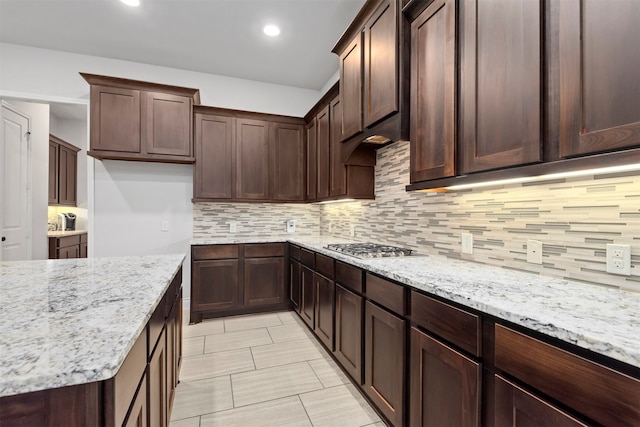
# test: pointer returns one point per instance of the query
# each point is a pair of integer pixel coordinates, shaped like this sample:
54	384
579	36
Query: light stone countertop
73	321
60	233
601	319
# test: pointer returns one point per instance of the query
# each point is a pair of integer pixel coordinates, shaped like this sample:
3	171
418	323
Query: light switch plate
291	226
233	227
467	243
534	251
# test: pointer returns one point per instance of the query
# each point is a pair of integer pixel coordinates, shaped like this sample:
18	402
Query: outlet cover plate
619	259
534	251
467	243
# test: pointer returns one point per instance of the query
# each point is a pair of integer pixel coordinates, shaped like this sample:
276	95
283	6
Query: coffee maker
67	221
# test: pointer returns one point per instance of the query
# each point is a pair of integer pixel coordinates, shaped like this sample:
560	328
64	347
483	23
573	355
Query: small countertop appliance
67	221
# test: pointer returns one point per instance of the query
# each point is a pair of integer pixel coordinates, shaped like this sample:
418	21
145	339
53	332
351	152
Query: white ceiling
212	36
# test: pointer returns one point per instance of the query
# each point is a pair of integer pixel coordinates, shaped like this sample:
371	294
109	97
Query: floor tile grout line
316	374
269	400
305	409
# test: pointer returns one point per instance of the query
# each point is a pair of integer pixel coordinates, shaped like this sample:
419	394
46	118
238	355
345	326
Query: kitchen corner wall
574	218
256	220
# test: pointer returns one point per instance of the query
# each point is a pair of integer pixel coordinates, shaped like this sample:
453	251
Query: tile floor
263	370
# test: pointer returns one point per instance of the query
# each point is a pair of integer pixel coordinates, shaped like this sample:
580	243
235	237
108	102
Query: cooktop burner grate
369	250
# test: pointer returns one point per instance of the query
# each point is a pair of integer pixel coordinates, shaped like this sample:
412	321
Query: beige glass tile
195	398
192	346
273	383
284	353
288	332
288	317
236	340
187	422
216	364
206	327
328	372
333	406
286	412
254	321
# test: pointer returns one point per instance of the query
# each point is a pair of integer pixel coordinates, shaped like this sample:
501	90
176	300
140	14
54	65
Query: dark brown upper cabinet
214	143
598	60
287	161
374	70
500	84
247	156
252	159
323	161
338	179
63	172
433	92
142	121
311	160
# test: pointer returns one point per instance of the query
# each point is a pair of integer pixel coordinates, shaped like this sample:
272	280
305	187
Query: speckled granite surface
604	320
65	322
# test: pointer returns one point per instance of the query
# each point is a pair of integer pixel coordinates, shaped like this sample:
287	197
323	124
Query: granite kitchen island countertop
73	321
597	318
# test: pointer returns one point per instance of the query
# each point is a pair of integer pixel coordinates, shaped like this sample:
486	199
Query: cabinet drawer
63	242
454	325
215	252
259	250
307	258
385	293
294	252
602	394
349	276
121	389
324	265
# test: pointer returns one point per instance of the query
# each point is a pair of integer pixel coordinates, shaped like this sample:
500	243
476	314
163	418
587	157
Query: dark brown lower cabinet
515	407
138	411
157	380
215	285
64	247
325	294
294	283
384	361
307	302
263	281
348	332
444	385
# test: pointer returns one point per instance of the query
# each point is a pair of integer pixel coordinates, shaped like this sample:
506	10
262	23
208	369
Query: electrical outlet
233	227
352	231
467	243
330	227
619	259
291	226
164	226
534	251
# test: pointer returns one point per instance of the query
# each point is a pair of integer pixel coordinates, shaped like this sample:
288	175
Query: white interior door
14	185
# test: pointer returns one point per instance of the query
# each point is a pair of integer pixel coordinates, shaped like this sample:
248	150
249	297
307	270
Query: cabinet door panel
338	169
115	119
381	63
515	407
138	412
323	143
294	283
312	160
287	165
500	84
215	285
445	385
252	159
67	175
351	88
384	361
214	136
348	332
325	291
53	173
157	382
263	281
168	124
433	96
599	84
307	305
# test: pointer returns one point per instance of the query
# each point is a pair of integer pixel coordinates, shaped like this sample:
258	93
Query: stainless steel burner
369	250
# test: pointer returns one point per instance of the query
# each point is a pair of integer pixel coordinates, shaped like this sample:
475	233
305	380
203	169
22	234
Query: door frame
46	99
29	214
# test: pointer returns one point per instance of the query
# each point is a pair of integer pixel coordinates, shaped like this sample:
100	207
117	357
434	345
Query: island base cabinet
515	407
348	334
157	379
445	385
138	413
384	362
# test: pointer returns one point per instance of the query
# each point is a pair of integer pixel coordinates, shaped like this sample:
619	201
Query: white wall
39	114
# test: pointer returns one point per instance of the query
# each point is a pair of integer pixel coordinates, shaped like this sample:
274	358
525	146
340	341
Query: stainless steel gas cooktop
369	250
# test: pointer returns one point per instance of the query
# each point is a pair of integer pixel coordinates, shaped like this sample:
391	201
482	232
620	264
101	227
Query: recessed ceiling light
271	30
132	3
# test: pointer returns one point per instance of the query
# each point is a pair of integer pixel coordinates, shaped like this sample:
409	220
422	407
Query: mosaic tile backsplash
574	218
